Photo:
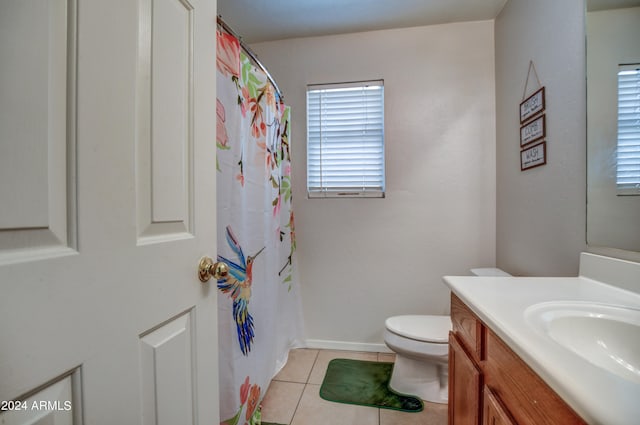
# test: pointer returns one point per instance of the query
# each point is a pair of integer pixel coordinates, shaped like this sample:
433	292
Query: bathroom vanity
487	379
529	351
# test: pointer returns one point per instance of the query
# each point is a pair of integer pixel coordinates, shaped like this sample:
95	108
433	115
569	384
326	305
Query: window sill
346	194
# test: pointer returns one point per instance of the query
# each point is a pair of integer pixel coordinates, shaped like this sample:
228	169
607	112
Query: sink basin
607	336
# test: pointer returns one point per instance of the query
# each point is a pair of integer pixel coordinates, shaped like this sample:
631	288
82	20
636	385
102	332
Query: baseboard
347	346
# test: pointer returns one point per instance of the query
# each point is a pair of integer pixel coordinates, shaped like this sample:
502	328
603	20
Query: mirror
613	211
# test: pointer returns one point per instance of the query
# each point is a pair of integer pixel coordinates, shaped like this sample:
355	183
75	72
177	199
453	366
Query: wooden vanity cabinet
465	376
490	385
464	385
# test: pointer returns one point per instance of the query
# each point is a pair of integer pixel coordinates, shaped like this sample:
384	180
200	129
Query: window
628	156
345	140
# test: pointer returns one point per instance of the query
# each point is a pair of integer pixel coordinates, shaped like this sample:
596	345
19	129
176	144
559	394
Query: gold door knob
208	268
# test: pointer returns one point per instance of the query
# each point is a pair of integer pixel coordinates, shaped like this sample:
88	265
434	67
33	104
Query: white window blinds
345	139
628	156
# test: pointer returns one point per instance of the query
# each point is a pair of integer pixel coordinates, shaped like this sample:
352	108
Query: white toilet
422	351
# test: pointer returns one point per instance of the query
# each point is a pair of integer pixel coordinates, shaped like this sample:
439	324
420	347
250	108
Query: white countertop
598	396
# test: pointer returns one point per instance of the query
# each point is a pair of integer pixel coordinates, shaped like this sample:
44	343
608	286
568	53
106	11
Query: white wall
363	260
541	211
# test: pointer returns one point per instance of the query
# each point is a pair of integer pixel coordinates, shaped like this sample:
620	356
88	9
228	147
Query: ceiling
267	20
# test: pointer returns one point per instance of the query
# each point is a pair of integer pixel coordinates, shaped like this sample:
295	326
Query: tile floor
293	396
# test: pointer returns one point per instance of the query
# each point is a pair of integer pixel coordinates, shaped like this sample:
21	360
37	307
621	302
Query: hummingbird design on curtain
237	284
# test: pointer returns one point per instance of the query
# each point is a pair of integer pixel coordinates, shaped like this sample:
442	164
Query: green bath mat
365	383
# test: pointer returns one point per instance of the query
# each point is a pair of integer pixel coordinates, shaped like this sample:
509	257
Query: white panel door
107	204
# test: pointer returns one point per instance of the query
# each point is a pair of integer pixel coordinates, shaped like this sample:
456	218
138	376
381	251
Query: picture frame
532	106
533	156
533	131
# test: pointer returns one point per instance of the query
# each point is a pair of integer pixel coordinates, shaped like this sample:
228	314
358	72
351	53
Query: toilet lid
421	327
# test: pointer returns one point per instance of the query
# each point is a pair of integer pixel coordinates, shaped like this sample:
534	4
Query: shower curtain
259	313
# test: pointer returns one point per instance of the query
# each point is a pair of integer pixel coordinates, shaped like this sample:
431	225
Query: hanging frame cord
222	24
526	83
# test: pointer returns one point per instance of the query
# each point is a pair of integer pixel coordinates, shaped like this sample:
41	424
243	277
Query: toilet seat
433	329
422	351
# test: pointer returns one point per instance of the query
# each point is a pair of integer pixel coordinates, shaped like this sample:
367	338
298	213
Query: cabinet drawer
468	328
531	401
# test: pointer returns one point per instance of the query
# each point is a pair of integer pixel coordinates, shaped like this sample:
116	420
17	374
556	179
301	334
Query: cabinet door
467	327
464	386
493	412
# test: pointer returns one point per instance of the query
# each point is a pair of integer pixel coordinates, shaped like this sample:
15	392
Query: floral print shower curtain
259	313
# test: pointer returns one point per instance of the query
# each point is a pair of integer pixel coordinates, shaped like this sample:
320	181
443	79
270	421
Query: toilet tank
489	271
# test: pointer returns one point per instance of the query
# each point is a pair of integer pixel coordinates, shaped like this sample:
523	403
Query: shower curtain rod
251	54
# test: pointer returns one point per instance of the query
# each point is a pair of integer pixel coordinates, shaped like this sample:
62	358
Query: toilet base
420	378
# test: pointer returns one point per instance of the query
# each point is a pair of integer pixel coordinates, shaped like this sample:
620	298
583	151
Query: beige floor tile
298	367
313	410
433	414
325	356
289	401
280	401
